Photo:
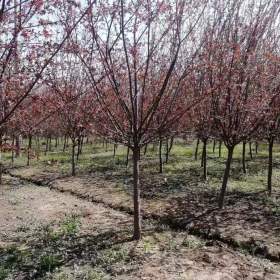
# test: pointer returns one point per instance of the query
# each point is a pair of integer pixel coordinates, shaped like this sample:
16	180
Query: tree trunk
73	173
226	176
250	150
171	144
64	144
50	144
160	155
214	146
204	159
196	149
17	146
244	157
270	165
220	149
82	145
29	149
145	149
79	149
256	147
1	166
114	151
47	146
127	156
13	150
166	151
136	195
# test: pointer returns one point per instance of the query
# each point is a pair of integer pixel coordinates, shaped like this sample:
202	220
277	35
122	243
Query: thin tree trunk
145	149
17	146
256	147
244	157
82	145
50	144
64	144
29	149
226	176
196	149
167	151
136	195
13	150
56	142
114	151
1	166
171	144
250	150
270	166
127	156
220	149
204	159
73	173
47	146
160	155
214	146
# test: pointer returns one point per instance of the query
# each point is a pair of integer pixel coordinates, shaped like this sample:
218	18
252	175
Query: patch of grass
192	242
148	246
70	226
3	273
49	263
95	274
112	255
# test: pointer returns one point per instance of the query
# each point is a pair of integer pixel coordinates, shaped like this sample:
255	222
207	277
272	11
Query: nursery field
57	226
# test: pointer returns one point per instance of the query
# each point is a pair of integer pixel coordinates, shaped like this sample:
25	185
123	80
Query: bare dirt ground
248	220
46	234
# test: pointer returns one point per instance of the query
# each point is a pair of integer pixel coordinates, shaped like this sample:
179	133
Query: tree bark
220	149
136	195
204	159
17	146
226	176
166	151
13	150
244	157
160	155
127	156
64	144
256	147
270	166
1	166
214	146
73	173
196	149
250	150
47	146
114	151
29	149
171	144
145	149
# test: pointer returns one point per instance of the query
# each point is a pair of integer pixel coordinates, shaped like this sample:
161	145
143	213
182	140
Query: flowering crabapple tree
137	46
32	34
71	99
234	56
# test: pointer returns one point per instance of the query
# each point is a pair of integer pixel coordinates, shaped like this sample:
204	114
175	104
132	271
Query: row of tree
136	72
